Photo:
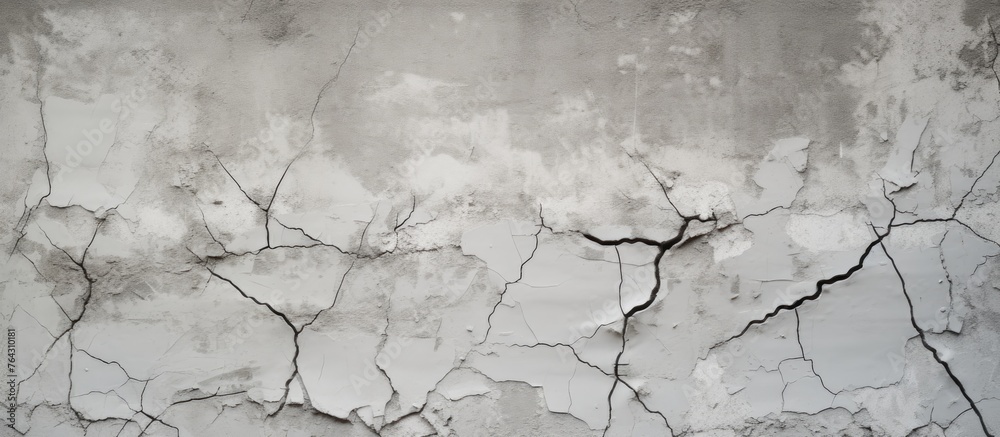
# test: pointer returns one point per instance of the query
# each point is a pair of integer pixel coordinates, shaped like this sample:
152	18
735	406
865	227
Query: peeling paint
569	218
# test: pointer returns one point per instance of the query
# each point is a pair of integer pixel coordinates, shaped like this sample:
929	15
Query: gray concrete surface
510	218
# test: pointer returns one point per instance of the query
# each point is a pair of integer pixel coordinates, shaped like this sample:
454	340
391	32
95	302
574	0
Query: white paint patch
627	60
730	244
837	232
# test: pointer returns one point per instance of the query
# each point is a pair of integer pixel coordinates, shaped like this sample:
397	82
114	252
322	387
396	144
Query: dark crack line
69	392
413	207
761	214
812	364
305	147
879	241
815	295
381	345
662	248
584	24
157	418
39	322
33	265
646	407
336	296
295	331
322	90
245	14
295	334
996	51
361	244
211	234
129	377
26	216
520	275
618	357
663	187
318	242
947	276
250	198
831	280
86	299
117	364
625	319
571	348
827	281
267	211
932	349
357	255
974	183
114	142
270	203
254	299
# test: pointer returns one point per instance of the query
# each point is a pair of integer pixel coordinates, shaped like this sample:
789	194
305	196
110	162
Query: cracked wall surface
513	218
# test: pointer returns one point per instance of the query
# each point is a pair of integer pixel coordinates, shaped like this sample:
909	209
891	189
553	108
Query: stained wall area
511	218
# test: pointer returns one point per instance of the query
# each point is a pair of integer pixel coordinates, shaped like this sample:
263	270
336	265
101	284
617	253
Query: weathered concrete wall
517	218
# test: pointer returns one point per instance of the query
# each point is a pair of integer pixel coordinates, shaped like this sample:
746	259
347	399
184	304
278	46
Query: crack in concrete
86	299
270	203
815	295
26	216
812	364
247	12
380	348
878	240
932	349
413	207
295	331
571	348
87	422
322	90
316	240
662	247
996	51
156	419
520	276
761	214
361	244
211	234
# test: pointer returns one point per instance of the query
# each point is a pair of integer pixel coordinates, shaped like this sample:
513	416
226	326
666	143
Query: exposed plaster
693	225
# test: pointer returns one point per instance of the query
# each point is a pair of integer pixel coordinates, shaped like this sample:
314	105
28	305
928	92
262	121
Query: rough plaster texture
516	218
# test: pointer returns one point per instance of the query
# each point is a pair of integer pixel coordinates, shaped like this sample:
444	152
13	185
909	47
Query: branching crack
812	364
86	297
520	275
663	247
22	222
815	295
571	348
295	331
932	349
413	207
270	203
879	238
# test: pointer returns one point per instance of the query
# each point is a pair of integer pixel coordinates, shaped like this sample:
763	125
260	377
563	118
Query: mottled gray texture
516	218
